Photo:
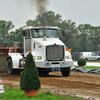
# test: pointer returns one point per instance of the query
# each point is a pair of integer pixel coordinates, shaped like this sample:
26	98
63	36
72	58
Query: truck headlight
37	58
69	57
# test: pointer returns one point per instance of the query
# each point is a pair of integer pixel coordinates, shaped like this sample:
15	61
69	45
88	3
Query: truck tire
9	66
98	59
86	59
65	71
10	69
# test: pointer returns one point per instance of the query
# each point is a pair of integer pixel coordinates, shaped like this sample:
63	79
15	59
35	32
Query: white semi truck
47	49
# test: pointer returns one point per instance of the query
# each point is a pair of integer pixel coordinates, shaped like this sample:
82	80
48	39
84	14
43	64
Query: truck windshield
39	33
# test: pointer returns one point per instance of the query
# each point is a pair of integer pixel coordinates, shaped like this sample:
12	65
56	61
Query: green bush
81	62
30	79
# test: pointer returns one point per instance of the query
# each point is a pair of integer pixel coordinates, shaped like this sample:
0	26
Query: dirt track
85	85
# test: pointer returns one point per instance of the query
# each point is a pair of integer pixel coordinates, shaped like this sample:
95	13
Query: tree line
85	37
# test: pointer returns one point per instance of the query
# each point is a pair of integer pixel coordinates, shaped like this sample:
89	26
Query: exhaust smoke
41	5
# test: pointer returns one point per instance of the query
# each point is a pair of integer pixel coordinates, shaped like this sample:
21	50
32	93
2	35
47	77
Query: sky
79	11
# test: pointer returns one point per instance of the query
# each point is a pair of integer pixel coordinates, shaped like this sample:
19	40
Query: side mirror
24	33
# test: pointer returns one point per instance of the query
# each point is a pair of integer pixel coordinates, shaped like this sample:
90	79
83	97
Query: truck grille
54	52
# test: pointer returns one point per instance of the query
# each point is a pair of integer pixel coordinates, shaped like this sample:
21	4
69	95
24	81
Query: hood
49	41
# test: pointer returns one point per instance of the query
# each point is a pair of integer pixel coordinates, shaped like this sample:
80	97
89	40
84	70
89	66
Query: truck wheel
98	59
65	71
9	66
86	59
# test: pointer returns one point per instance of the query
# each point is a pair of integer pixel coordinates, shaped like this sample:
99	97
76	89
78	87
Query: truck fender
15	59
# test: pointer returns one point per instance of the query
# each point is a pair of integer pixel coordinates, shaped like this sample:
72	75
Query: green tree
49	18
30	79
89	37
71	33
83	37
5	27
16	36
94	38
32	23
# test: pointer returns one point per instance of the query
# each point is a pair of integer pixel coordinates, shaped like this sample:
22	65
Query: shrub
81	62
30	79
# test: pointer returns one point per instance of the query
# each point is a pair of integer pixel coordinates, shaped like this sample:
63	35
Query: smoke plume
41	5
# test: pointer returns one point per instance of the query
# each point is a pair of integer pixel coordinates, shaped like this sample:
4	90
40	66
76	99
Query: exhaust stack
45	38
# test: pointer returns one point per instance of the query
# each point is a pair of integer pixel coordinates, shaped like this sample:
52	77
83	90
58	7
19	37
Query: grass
98	61
90	67
17	94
